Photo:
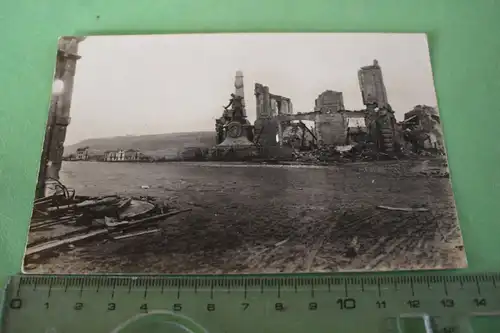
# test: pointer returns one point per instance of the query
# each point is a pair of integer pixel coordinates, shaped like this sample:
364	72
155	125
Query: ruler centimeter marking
376	297
214	283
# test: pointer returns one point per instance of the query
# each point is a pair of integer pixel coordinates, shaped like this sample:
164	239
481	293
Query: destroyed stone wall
329	101
263	102
265	131
372	85
269	105
424	123
286	107
274	107
331	128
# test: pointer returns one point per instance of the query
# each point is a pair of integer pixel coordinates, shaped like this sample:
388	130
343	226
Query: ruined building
329	101
330	128
268	107
299	136
55	134
336	126
382	127
333	124
380	118
372	85
331	121
276	123
280	105
422	128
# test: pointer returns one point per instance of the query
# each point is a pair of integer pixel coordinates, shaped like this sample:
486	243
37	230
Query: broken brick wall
265	131
331	128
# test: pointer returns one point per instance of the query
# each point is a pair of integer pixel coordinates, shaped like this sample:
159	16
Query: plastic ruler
239	304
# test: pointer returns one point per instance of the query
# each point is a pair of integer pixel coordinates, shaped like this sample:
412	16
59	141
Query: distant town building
372	85
132	155
109	155
114	155
329	101
121	155
82	154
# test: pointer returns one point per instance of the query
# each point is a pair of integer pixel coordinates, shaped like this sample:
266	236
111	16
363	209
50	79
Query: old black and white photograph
243	154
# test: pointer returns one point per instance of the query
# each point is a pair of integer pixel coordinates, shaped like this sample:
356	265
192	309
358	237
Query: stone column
259	100
318	128
59	118
284	107
259	106
280	133
239	89
274	107
266	103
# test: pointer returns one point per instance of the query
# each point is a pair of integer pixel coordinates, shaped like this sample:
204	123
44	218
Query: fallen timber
53	244
70	220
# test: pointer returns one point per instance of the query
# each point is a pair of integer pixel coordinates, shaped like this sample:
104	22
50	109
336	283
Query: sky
153	84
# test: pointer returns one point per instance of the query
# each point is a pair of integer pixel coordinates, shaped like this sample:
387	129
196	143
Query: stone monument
234	131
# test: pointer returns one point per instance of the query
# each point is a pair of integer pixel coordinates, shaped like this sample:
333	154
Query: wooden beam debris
404	209
137	233
154	218
84	204
115	217
58	243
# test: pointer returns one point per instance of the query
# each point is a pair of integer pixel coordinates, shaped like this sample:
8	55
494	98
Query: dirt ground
268	219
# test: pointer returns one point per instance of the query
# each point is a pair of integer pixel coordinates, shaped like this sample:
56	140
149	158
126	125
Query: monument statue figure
233	129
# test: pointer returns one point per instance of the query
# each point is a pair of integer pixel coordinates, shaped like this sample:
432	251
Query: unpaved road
316	215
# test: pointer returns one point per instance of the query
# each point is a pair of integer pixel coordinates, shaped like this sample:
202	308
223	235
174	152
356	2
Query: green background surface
465	51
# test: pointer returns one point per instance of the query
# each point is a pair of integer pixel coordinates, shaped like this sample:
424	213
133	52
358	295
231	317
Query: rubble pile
63	219
354	153
331	153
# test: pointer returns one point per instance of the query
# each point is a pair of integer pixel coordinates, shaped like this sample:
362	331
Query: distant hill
157	145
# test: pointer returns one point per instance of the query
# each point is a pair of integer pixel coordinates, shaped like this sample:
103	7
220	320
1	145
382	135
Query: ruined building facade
276	123
422	128
330	128
268	108
329	101
270	105
372	85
